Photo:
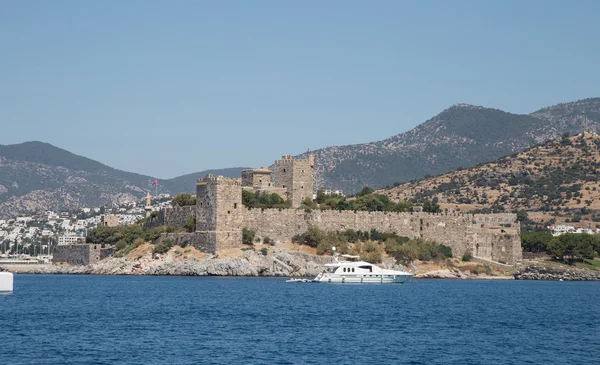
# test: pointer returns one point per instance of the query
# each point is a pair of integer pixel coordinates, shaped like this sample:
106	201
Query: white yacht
359	272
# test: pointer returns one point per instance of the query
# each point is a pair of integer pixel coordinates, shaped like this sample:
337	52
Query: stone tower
296	177
219	213
148	206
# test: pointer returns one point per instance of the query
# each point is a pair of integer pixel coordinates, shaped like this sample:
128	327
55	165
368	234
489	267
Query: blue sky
166	88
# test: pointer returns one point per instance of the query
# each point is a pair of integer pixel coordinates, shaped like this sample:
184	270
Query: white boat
6	282
360	272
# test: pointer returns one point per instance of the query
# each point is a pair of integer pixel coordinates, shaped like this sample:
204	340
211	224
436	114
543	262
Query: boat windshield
368	267
331	268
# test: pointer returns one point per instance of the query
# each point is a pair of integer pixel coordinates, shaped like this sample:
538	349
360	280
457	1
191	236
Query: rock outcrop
556	272
251	263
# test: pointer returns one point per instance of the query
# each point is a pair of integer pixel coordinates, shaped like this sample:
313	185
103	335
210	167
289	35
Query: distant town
33	237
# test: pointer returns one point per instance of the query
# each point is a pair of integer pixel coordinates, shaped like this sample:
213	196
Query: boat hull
362	279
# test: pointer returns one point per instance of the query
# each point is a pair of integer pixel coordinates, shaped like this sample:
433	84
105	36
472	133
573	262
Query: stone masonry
296	176
220	218
83	254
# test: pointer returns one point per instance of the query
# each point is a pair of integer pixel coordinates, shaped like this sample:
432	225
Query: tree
183	199
571	247
248	236
365	191
522	216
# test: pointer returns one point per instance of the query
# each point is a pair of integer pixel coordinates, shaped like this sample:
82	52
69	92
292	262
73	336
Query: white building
561	229
70	239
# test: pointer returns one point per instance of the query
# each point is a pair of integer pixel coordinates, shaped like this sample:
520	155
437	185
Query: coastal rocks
251	263
556	272
441	274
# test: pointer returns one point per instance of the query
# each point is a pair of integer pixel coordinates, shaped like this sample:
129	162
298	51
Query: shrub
183	199
445	250
467	257
190	224
121	245
264	251
162	247
268	241
138	242
372	257
248	236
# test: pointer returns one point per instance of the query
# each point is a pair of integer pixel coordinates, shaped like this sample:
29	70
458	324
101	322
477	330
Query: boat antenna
335	256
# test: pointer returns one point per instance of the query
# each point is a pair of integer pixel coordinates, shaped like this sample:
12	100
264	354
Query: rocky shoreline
277	263
251	263
541	271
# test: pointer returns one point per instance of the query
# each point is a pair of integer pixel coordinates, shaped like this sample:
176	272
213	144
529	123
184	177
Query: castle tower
257	178
296	177
219	211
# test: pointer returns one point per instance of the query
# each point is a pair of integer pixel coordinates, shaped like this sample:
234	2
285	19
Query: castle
221	217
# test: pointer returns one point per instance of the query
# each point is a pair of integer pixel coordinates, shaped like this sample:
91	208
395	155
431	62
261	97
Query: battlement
221	180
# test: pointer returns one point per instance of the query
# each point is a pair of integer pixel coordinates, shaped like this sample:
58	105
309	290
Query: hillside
460	136
561	176
36	176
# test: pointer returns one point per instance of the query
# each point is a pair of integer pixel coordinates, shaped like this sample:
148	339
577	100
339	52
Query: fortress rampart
220	217
489	236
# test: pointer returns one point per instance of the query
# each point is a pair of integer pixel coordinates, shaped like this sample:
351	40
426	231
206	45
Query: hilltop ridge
36	176
558	176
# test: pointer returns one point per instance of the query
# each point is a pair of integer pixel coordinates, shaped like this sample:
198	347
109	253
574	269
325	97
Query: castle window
302	170
234	205
229	212
302	187
283	186
283	170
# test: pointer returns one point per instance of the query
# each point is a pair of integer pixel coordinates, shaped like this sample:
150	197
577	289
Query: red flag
155	182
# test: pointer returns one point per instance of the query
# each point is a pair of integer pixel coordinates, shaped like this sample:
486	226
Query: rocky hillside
460	136
556	176
36	176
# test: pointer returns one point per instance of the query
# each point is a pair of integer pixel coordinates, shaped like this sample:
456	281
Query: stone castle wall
83	254
461	232
195	239
176	217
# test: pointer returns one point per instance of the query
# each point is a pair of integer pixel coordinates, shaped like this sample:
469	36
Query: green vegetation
467	257
570	248
125	238
248	236
190	224
369	201
183	199
535	241
162	247
370	245
263	200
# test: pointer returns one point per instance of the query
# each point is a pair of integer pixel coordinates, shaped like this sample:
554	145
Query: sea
60	319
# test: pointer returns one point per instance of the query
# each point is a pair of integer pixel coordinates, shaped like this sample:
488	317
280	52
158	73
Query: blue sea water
200	320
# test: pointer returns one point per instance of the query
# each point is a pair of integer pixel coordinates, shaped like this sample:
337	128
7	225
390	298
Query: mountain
558	176
37	176
460	136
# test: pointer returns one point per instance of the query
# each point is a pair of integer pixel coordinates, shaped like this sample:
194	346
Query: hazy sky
166	88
